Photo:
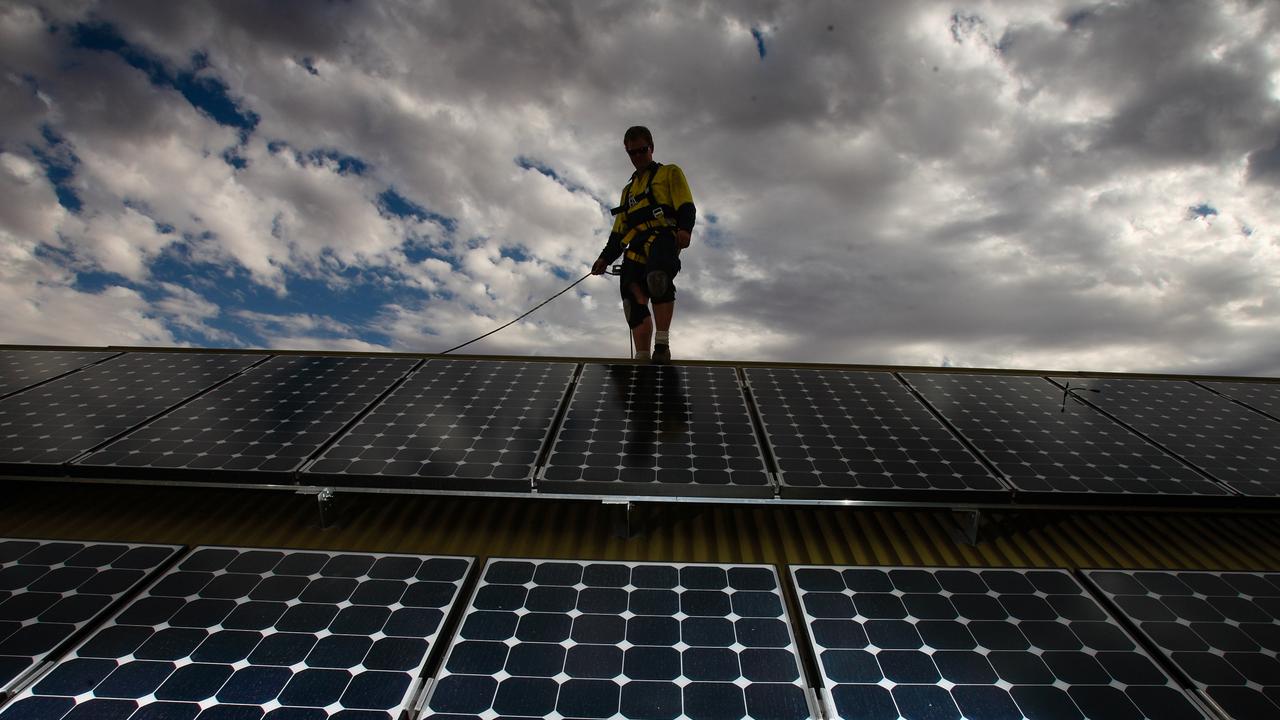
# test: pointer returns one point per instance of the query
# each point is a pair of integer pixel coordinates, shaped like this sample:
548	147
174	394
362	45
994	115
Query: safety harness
644	217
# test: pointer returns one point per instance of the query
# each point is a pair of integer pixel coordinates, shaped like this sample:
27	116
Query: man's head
638	142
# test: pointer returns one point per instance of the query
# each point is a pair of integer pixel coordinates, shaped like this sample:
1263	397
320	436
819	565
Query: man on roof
651	226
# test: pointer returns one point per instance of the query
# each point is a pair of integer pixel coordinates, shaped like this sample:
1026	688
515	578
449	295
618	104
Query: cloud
1041	184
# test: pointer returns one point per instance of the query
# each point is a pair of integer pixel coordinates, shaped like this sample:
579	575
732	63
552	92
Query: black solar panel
1019	424
239	633
51	589
657	430
24	368
576	639
1257	395
1220	629
54	423
976	643
454	424
838	433
268	421
1233	444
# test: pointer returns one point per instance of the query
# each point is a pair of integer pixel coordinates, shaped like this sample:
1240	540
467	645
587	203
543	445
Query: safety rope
513	322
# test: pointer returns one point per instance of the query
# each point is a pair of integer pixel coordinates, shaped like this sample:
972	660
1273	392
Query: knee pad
661	290
635	312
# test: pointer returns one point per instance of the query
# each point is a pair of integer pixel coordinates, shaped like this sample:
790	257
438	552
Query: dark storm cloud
913	182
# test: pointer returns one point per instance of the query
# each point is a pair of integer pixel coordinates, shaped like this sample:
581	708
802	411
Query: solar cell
1019	424
47	426
1233	444
657	430
269	421
1220	629
1258	395
23	368
579	639
241	632
909	642
454	424
51	589
836	433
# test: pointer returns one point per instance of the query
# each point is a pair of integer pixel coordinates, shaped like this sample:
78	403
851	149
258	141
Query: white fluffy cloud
1050	184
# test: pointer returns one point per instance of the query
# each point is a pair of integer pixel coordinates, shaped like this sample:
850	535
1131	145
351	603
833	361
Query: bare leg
642	334
662	314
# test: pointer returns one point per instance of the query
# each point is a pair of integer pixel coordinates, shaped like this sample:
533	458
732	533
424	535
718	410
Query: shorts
663	255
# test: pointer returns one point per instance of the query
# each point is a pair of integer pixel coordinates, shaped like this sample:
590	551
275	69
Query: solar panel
1019	424
23	368
578	639
1220	629
240	632
657	430
1257	395
976	643
268	421
54	423
51	589
837	433
1233	444
454	424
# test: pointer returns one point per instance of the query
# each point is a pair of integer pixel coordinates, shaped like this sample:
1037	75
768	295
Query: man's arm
682	201
612	250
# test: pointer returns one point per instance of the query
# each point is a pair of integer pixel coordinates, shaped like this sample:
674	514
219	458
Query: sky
1040	185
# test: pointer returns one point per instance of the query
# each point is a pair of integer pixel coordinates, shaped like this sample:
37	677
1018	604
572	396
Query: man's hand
682	239
599	266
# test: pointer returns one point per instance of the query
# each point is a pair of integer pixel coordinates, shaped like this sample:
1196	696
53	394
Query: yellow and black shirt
656	200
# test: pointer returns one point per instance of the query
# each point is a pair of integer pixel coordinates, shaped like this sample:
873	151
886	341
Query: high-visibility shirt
656	199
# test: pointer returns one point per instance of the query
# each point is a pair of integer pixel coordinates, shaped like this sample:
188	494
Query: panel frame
413	695
1089	499
43	664
1199	690
1236	495
1002	494
81	467
651	491
455	485
799	651
829	709
67	467
107	355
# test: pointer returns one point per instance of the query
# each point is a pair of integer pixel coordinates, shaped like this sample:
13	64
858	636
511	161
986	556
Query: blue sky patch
393	203
1203	210
352	296
205	92
59	162
759	36
347	164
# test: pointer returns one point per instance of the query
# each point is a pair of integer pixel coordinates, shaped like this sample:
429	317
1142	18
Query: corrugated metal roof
677	533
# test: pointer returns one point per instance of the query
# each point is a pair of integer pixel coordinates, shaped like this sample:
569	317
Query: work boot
661	354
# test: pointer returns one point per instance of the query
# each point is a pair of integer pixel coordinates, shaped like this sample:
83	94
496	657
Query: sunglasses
638	151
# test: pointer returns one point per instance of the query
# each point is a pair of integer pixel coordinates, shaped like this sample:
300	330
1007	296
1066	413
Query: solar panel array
976	643
1264	397
657	430
23	368
1019	424
285	634
839	433
577	639
457	425
454	424
54	423
1220	629
50	590
1237	446
267	421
